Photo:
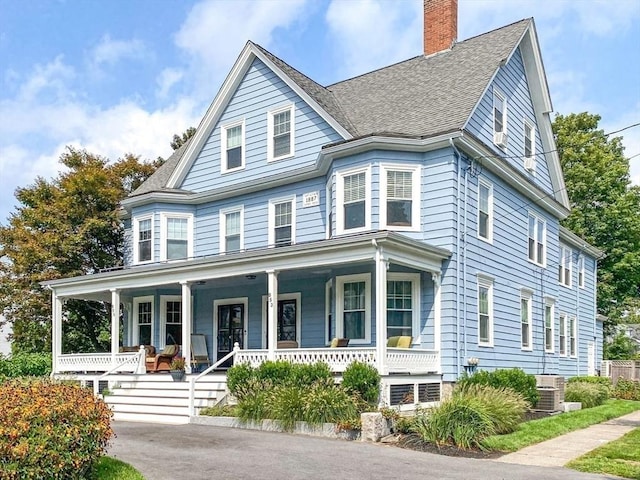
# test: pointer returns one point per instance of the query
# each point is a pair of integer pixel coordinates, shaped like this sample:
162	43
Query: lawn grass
539	430
108	468
620	457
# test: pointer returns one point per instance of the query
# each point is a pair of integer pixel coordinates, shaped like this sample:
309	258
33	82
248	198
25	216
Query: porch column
381	312
115	324
272	313
437	313
56	329
186	324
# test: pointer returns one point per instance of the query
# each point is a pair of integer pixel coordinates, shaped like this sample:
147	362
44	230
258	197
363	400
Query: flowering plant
473	361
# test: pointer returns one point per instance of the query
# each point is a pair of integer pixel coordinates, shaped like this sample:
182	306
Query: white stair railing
192	384
140	359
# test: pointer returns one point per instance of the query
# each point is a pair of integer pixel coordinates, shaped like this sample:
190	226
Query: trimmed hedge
513	378
589	394
362	379
50	430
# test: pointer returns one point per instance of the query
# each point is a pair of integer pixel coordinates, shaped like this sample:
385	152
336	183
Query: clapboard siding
511	81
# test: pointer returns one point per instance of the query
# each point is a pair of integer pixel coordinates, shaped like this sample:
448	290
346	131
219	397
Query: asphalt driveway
196	452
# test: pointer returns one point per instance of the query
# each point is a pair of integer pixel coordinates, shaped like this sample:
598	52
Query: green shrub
504	406
25	365
589	394
513	378
238	377
278	372
50	430
219	411
627	389
286	404
362	379
254	407
308	374
605	381
328	403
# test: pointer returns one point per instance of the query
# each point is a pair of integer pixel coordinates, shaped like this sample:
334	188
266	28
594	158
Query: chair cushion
170	350
334	342
404	342
393	341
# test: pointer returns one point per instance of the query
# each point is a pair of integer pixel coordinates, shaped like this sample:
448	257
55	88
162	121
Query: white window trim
223	227
574	334
543	263
328	293
527	295
414	278
532	126
498	93
270	116
340	230
329	207
340	281
581	271
136	233
566	254
563	332
163	315
416	172
489	238
164	216
549	302
230	301
297	296
487	282
272	218
223	146
136	331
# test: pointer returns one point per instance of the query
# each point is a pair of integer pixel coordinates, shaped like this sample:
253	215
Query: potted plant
176	369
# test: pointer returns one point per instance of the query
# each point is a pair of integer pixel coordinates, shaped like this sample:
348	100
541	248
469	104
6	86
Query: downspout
464	261
577	340
458	193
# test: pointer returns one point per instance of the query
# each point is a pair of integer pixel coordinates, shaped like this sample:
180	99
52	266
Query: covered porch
365	287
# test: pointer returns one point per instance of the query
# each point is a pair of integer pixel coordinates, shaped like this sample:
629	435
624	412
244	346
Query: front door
231	329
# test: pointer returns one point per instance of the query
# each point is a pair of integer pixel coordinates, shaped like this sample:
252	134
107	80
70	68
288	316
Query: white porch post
115	325
381	312
56	329
437	317
272	313
186	324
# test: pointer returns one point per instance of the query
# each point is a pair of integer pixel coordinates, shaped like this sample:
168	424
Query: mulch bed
413	442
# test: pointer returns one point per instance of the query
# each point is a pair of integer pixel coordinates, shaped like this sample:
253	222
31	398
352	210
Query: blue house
421	200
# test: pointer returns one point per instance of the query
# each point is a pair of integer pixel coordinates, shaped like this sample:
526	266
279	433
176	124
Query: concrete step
155	409
142	392
168	385
156	401
151	418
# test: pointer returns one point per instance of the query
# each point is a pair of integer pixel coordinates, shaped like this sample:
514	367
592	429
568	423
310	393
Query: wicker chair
162	361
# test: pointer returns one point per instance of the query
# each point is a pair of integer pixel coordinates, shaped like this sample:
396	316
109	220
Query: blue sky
123	76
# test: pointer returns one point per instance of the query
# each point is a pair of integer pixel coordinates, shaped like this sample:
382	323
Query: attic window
499	119
232	147
280	137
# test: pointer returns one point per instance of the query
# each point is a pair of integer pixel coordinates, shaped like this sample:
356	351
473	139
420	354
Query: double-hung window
354	209
143	235
400	205
403	305
537	239
485	211
171	319
562	334
231	230
572	334
548	325
353	308
529	145
525	319
499	119
280	141
581	271
143	320
564	266
232	146
485	311
282	222
176	238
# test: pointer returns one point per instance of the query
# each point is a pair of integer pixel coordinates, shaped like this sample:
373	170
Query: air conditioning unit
549	400
500	139
530	163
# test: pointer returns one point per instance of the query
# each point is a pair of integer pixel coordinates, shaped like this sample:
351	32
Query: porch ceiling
396	248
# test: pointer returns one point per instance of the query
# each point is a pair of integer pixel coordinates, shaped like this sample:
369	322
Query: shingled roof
158	180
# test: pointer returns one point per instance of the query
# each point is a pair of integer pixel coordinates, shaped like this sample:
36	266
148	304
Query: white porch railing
401	360
127	362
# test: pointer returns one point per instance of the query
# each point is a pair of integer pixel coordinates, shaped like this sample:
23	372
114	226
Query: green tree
605	208
65	227
178	140
621	347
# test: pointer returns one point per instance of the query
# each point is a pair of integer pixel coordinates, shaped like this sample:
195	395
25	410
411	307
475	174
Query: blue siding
511	81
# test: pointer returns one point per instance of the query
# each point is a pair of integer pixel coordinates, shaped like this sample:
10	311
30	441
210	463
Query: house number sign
311	199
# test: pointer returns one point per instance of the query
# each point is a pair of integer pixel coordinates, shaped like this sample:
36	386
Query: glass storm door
230	329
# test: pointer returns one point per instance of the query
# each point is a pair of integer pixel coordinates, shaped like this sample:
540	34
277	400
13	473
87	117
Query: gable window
562	334
581	271
548	325
402	305
281	133
537	239
564	267
485	311
143	243
353	308
176	236
525	319
529	140
231	230
143	320
400	188
232	147
572	334
499	119
353	193
171	319
485	211
282	222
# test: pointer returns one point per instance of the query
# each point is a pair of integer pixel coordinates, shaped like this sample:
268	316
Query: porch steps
156	398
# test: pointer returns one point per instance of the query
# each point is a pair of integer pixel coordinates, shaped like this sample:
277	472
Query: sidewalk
560	450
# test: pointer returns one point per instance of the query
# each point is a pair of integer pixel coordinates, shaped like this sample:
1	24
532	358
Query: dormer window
232	146
280	137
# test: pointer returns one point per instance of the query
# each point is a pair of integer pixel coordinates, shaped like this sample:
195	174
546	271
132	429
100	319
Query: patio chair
339	342
162	361
199	353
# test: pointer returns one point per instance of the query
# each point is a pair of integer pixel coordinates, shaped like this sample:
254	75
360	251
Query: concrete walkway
560	450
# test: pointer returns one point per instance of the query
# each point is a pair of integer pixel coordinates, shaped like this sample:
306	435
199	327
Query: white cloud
167	79
630	137
49	79
369	34
110	51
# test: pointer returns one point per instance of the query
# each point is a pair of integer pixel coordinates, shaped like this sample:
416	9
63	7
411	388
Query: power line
622	129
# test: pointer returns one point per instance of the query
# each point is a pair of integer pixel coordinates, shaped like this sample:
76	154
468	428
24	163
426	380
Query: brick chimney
440	25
